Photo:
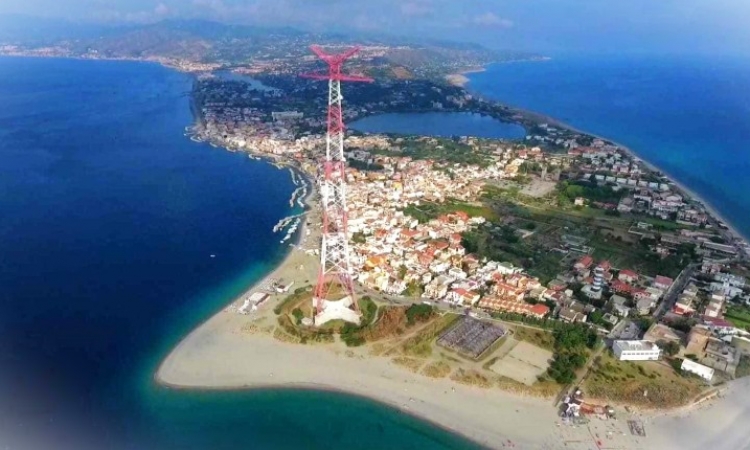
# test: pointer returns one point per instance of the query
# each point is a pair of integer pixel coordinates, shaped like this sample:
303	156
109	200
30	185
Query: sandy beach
224	354
460	79
237	351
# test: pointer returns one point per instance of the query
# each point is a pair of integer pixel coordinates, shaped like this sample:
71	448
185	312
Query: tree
402	272
298	315
413	289
418	313
644	323
670	348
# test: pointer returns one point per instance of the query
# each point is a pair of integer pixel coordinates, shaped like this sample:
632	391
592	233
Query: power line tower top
335	62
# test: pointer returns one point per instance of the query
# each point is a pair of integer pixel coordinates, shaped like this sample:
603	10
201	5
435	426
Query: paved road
670	298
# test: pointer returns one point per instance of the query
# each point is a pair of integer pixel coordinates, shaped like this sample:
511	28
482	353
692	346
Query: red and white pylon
335	265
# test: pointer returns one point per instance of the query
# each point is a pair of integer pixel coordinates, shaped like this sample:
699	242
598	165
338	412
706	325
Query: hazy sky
593	25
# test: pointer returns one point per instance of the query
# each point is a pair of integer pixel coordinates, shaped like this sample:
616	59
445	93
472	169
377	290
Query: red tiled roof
539	309
666	281
619	286
586	261
716	322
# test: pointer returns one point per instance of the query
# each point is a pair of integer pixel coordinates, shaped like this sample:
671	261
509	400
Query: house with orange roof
460	296
621	287
628	276
584	263
662	282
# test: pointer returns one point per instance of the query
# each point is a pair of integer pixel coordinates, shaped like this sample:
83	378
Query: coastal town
557	266
288	224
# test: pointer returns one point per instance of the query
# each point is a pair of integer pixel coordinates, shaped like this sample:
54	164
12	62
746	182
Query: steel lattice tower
334	252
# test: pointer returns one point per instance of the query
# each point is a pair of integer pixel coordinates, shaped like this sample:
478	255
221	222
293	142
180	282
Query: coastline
680	187
460	79
219	356
259	361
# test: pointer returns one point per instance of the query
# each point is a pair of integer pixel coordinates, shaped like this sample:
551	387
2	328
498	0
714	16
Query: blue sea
688	116
108	220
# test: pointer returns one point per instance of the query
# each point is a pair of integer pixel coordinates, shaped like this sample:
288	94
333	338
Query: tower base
338	309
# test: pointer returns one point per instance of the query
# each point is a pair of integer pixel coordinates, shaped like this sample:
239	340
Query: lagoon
440	124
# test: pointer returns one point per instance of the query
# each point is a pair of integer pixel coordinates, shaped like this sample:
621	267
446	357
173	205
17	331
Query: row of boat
290	232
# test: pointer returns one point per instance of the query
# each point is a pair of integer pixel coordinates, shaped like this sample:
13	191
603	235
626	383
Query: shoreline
679	186
196	364
199	362
320	387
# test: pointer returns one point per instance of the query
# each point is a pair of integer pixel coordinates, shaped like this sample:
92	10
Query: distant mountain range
211	42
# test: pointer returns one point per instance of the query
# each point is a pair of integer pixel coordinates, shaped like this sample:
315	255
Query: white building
286	115
636	350
702	371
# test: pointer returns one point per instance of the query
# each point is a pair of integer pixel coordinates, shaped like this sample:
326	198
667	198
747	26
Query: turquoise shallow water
109	217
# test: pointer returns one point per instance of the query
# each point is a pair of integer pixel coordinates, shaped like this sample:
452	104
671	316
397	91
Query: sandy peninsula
238	351
460	79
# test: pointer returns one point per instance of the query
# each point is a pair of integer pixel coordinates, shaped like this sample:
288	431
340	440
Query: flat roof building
702	371
636	350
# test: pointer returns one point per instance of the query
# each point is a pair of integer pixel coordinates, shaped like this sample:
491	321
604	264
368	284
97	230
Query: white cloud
161	9
490	19
416	8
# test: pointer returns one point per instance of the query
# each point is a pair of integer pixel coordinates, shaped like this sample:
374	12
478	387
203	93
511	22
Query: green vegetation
570	190
418	313
369	310
414	289
429	211
627	381
597	317
445	150
359	238
670	348
640	257
298	315
572	344
352	334
421	344
545	323
501	243
531	167
683	324
739	316
540	338
292	299
644	323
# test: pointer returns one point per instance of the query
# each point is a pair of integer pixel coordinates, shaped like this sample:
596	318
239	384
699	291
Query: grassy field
739	316
427	211
540	338
627	381
421	343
